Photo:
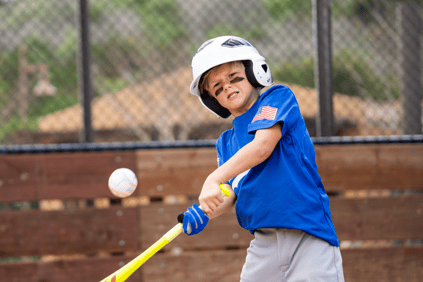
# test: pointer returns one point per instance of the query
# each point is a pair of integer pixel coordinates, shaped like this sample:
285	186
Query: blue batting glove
194	220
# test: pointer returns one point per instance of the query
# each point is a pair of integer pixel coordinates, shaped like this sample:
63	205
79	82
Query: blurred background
96	80
140	55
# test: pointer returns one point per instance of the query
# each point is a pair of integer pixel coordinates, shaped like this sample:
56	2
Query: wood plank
60	176
399	217
174	171
354	219
35	233
18	272
376	166
19	178
81	175
388	264
183	171
81	270
385	166
391	264
217	265
223	232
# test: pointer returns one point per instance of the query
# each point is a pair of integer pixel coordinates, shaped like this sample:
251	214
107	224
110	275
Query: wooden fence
59	222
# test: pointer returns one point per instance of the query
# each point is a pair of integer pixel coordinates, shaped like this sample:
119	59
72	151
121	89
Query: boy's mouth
232	95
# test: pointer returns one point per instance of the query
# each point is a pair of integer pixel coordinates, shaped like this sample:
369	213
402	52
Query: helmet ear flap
258	73
213	105
249	72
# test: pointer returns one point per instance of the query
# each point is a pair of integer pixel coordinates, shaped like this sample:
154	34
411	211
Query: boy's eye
218	91
237	79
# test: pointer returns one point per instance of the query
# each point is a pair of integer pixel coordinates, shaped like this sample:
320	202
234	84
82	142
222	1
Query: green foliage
96	11
225	29
67	50
105	54
116	84
16	124
46	104
351	76
15	260
161	30
283	9
4	86
8	73
61	62
40	49
100	55
347	67
360	9
161	22
163	33
300	73
63	75
8	65
20	16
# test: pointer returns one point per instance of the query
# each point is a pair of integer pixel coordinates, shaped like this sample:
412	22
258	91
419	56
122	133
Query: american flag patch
265	112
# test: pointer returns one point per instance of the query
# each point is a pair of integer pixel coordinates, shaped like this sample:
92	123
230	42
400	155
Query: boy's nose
226	85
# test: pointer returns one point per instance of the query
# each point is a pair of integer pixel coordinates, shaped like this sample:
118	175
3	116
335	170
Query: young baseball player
268	161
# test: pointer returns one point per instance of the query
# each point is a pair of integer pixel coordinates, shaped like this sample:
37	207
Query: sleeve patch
265	112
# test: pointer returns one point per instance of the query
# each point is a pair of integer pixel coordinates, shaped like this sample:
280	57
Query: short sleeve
276	106
220	160
220	154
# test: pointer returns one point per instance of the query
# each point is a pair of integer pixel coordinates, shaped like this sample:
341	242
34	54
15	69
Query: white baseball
122	182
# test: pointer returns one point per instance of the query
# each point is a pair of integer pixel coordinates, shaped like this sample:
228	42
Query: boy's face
229	85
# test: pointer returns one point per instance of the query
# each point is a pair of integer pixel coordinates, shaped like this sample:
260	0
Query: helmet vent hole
264	66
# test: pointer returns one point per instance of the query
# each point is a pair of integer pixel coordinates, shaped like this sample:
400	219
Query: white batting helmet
222	50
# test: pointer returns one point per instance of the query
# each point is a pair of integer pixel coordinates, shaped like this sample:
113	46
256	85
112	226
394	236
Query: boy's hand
194	220
210	196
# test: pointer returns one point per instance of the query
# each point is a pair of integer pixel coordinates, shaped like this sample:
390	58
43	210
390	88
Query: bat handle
225	193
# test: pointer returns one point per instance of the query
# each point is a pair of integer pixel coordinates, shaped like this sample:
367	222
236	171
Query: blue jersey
284	191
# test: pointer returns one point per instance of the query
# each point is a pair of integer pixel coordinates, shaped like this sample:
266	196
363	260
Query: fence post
85	68
410	24
323	66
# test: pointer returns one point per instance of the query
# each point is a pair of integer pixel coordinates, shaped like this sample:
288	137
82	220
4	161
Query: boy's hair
205	78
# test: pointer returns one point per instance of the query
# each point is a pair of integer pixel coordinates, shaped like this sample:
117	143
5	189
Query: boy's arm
249	156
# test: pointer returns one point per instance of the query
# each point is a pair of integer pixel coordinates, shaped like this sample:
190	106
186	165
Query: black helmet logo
235	42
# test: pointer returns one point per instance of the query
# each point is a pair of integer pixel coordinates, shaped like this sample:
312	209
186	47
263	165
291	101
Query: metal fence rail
139	67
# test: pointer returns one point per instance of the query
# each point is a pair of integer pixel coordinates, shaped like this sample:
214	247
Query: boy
268	160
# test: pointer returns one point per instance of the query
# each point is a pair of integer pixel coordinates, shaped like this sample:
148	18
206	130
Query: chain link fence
141	53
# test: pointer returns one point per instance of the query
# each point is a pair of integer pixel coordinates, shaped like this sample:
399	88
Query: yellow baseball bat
123	273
